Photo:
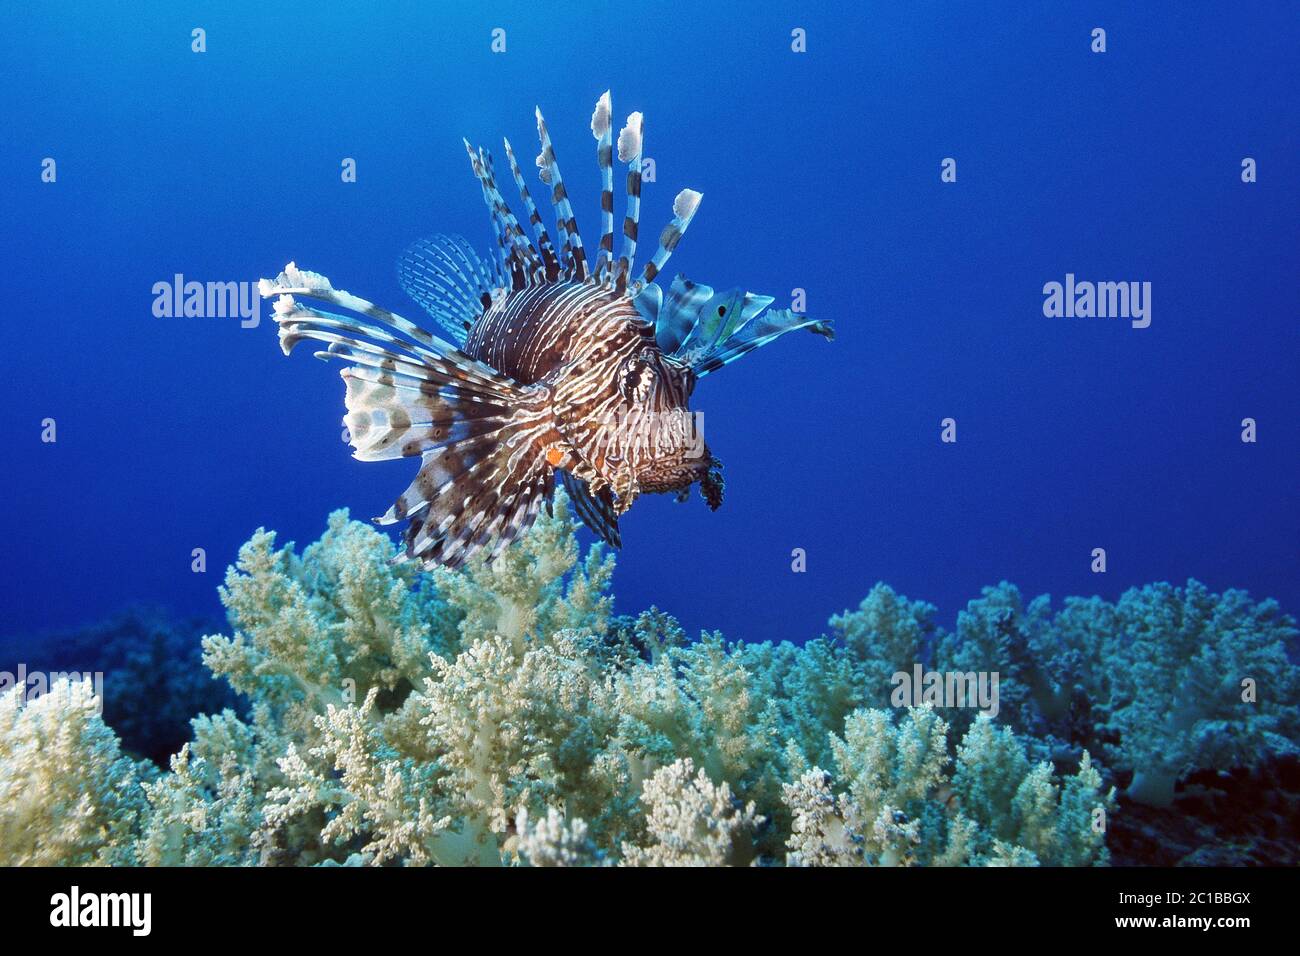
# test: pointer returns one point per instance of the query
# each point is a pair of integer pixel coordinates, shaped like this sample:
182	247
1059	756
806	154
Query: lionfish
550	364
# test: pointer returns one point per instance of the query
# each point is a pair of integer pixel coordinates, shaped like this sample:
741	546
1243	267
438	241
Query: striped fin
704	330
684	207
512	521
648	302
719	317
757	332
389	417
523	245
501	277
479	493
539	229
573	260
446	277
678	313
630	146
596	511
483	439
601	129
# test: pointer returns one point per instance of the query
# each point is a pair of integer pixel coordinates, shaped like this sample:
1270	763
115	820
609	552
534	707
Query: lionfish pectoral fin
479	494
597	511
482	437
756	332
719	317
679	312
648	302
691	327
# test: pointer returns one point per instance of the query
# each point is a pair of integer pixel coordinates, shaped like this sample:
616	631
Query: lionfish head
649	380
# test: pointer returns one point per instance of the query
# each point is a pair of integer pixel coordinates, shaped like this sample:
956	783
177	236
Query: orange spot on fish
554	456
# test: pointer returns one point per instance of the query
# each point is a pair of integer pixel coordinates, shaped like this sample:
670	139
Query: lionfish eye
634	382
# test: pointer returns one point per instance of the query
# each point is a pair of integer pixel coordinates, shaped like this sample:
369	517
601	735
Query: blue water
821	171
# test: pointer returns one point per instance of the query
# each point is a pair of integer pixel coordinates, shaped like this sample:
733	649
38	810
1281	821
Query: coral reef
154	679
68	796
898	802
503	715
1200	680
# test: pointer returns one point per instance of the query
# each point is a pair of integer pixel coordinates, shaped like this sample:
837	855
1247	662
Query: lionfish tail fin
487	444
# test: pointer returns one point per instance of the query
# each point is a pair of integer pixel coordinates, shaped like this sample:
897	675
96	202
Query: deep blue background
819	171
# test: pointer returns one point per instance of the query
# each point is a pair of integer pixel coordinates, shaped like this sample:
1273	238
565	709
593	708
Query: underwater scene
757	443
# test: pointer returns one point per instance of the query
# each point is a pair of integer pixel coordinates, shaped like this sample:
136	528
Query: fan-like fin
387	419
719	318
704	330
648	303
470	495
487	443
757	332
347	335
446	277
679	312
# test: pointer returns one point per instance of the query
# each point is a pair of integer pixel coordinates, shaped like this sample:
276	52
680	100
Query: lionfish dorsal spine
630	146
572	257
684	206
602	130
525	257
551	263
498	235
517	258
